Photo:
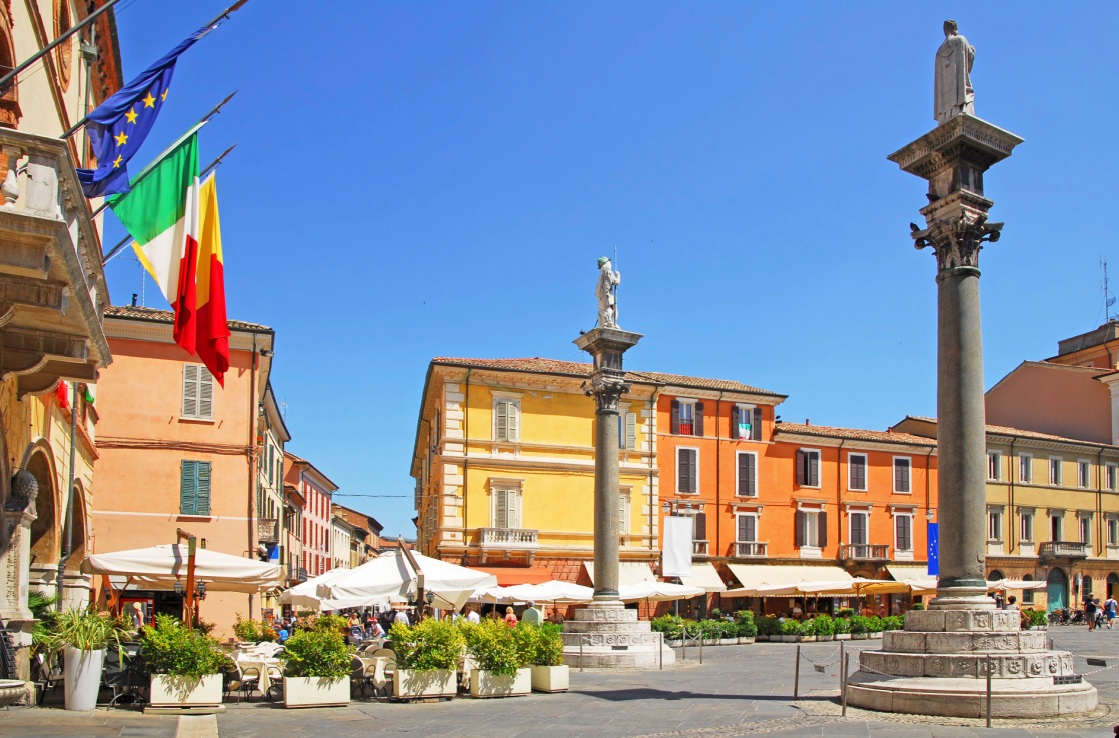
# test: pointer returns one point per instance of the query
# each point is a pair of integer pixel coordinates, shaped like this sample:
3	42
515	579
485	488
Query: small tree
492	645
172	648
428	645
317	653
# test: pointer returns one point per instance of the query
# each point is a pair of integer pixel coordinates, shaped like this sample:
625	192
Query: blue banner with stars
119	125
934	549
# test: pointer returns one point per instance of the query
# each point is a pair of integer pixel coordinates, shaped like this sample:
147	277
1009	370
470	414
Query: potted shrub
500	659
671	626
184	664
427	656
1035	619
316	669
549	673
82	636
790	631
746	629
807	631
842	628
859	627
825	627
875	626
917	606
710	631
894	622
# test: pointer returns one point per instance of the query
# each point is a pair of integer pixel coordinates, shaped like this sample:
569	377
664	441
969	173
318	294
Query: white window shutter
190	390
513	411
205	393
502	426
514	512
631	431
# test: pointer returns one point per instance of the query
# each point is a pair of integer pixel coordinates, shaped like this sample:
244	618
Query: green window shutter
188	487
202	505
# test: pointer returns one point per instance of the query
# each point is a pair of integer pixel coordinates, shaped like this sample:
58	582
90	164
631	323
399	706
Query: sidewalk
738	691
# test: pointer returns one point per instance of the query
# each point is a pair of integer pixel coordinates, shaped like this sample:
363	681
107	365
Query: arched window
995	576
1112	581
1027	594
1086	586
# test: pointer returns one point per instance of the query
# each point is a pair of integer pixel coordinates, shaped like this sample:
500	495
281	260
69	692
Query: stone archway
1057	589
45	528
80	536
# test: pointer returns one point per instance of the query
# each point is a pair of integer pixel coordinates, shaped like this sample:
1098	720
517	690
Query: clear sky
417	179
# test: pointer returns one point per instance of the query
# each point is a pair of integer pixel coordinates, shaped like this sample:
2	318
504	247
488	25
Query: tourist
401	617
798	613
137	615
1110	609
1090	611
470	615
531	615
510	617
1012	603
556	618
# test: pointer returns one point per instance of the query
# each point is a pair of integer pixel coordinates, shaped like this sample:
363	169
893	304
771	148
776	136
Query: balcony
864	552
298	574
268	531
750	549
506	540
1067	550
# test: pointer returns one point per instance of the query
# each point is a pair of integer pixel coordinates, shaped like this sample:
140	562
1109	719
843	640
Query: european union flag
119	125
934	549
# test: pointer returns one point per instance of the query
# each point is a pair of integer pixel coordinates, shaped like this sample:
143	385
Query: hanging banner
676	556
934	550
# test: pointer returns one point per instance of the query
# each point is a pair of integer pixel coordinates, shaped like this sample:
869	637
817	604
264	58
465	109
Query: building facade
316	490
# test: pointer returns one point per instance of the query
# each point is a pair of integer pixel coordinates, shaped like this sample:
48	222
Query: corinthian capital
607	390
956	240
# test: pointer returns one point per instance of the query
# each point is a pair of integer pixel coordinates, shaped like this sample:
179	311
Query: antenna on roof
1108	300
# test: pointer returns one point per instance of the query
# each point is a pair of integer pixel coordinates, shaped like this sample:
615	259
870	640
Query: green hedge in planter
894	622
1035	618
841	625
792	628
670	625
428	645
317	653
547	646
493	647
747	628
918	606
859	624
331	622
769	626
253	631
824	625
169	647
846	612
875	624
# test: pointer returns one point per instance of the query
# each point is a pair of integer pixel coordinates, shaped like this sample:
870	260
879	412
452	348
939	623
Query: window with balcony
746	423
903	533
198	393
699	531
1112	476
506	420
747	474
994	465
1083	474
1025	468
856	472
747	543
1085	525
858	523
811	529
1055	470
1056	528
1026	527
902	467
506	507
808	467
994	525
687	418
687	471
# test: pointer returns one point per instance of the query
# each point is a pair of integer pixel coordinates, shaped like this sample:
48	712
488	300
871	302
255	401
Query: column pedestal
13	590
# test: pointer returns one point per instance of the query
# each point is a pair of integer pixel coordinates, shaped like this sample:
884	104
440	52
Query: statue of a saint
953	93
607	293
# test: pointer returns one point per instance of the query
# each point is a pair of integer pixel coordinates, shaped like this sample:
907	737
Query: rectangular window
747	474
506	420
1025	468
627	431
858	527
1056	528
994	525
506	508
1083	474
1028	594
902	466
747	528
811	528
903	532
198	392
687	471
994	465
1112	477
623	511
856	472
746	423
808	468
1085	528
1055	470
194	487
1112	532
1026	527
687	418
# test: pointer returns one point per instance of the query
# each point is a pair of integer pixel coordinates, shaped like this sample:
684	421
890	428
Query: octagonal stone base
608	636
938	666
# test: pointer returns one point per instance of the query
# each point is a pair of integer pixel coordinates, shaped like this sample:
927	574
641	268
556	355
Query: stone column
14	587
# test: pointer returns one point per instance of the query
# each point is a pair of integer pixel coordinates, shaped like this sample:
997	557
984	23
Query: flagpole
9	78
148	169
115	251
211	25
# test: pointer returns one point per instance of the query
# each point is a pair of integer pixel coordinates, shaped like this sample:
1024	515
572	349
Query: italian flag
174	219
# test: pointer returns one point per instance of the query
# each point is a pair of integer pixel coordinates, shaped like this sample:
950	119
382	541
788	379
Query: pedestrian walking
1090	612
1110	608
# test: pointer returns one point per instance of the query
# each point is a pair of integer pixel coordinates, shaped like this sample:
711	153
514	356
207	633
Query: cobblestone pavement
737	691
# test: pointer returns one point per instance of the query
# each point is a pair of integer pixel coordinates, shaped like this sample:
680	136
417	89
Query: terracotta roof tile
577	369
856	434
1004	430
166	316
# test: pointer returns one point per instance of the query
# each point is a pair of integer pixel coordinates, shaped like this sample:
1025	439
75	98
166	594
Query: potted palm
549	673
316	669
185	664
500	655
82	636
427	656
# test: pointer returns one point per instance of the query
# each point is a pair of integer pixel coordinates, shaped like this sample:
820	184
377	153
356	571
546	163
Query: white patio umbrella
495	595
159	567
305	594
390	575
657	591
554	591
1017	584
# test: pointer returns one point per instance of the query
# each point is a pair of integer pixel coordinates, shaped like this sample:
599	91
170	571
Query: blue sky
437	179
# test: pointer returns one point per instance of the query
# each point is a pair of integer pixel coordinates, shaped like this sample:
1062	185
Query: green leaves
428	645
321	652
493	646
171	648
88	630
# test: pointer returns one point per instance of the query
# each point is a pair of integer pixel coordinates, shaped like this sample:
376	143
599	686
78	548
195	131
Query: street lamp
178	587
200	591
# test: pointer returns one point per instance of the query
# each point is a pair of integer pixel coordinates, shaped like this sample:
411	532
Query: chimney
134	296
807	421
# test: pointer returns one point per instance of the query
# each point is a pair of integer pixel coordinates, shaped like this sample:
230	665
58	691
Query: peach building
316	489
177	451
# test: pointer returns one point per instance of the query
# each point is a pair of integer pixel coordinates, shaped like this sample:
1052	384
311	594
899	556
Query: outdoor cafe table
249	661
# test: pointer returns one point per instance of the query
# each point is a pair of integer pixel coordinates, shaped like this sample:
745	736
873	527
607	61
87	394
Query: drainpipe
1100	544
67	549
465	466
653	504
251	460
839	493
1010	534
718	473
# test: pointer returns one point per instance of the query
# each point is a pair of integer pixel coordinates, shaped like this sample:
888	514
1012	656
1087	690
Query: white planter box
182	691
487	684
745	640
710	641
806	639
787	639
728	641
829	637
763	638
82	670
316	691
858	636
875	635
411	684
842	636
550	678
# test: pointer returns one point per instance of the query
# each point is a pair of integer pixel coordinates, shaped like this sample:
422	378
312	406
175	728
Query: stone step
1029	641
580	626
606	614
1003	666
950	621
610	640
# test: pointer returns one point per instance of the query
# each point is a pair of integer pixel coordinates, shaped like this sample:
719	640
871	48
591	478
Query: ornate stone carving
606	390
956	242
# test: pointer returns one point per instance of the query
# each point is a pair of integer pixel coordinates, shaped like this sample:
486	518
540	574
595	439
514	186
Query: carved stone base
608	636
938	666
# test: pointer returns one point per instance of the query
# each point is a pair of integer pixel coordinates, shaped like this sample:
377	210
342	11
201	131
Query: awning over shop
705	577
510	576
768	580
629	572
915	575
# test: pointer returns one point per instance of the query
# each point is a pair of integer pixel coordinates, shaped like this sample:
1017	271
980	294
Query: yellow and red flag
211	326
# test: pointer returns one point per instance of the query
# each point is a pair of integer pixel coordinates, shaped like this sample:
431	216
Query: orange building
177	451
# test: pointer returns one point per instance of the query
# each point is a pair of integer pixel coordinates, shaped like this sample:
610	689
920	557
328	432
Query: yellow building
504	468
